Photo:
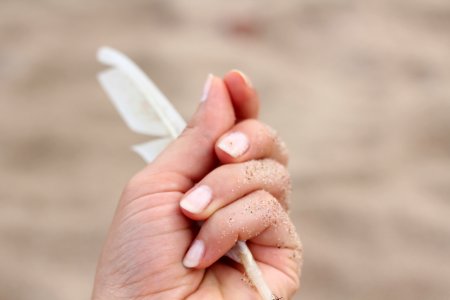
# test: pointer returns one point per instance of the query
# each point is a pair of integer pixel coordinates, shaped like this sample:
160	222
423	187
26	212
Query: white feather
141	104
136	111
150	150
147	111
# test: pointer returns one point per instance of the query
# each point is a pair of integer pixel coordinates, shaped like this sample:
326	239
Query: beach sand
359	90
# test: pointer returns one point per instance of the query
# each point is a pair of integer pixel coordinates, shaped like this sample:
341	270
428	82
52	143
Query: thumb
192	153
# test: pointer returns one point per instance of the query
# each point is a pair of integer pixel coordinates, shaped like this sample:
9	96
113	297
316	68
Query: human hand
226	169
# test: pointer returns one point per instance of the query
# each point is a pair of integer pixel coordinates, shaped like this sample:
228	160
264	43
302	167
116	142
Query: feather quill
147	111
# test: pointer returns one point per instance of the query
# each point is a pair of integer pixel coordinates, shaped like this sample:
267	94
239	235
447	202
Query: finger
213	192
246	219
244	97
192	153
250	139
260	220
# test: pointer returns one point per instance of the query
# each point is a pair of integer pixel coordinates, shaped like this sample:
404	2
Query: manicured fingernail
197	200
244	77
207	87
235	144
194	254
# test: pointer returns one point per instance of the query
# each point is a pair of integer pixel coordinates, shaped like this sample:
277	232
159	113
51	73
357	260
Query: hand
226	169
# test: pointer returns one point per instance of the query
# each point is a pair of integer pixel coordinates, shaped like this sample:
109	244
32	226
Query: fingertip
216	111
194	204
195	254
243	77
243	95
250	139
195	216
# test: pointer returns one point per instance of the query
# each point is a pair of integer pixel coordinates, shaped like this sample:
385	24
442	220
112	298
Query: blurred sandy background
360	90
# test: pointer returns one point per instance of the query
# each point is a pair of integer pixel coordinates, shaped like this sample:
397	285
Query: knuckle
273	202
272	175
262	130
270	131
265	200
277	144
266	139
266	170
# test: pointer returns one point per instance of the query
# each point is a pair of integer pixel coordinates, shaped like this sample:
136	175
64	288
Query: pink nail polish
194	254
234	144
197	200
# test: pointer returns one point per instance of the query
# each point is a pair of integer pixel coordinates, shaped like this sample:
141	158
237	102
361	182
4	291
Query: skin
150	233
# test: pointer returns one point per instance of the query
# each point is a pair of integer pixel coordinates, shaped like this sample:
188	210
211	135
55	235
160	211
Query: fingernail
235	144
197	200
244	77
207	87
194	254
